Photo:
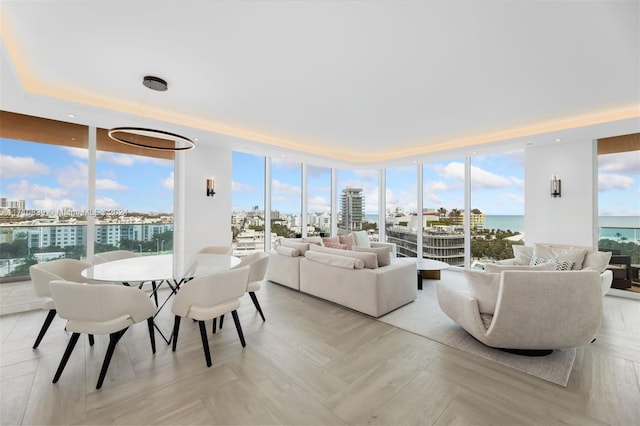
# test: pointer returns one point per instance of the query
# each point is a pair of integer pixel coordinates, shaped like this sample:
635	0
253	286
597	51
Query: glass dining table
174	270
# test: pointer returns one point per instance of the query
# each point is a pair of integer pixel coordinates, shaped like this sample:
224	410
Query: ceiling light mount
155	83
143	137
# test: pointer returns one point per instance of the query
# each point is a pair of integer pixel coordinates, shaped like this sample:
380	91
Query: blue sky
50	177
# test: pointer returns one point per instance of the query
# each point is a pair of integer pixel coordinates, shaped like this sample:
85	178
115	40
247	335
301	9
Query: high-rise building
352	203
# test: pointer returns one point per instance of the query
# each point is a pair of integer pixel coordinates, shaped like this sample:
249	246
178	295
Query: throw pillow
303	247
575	255
383	253
484	288
287	251
335	260
348	240
336	246
370	259
362	239
496	269
597	260
332	240
522	254
559	265
313	240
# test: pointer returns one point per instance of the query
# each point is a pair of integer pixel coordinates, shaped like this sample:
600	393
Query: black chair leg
176	328
154	290
91	340
152	334
45	327
214	325
65	357
238	327
221	320
205	343
113	341
254	299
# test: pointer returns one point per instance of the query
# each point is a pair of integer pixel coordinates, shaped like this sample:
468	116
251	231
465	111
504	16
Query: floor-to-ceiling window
247	214
318	201
497	205
134	198
402	213
358	201
443	215
286	198
619	207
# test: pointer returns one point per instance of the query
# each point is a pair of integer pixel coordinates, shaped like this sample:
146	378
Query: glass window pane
402	209
286	198
443	220
247	217
497	206
358	201
318	201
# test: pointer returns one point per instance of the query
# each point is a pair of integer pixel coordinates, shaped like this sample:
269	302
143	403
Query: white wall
572	218
200	220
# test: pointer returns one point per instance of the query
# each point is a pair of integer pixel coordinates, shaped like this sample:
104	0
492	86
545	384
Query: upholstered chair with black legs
100	309
209	297
42	274
217	250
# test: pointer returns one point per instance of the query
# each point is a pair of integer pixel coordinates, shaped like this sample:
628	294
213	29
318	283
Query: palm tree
455	214
442	213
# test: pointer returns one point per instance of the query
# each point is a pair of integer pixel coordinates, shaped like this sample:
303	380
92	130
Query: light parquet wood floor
311	362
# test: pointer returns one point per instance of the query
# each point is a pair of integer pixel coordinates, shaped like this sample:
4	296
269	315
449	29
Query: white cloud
519	183
319	204
627	163
25	190
73	176
283	188
367	174
451	171
609	181
168	182
17	167
241	187
109	184
54	205
105	203
483	179
516	198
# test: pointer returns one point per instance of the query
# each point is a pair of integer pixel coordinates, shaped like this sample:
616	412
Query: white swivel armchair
209	297
42	274
100	309
109	256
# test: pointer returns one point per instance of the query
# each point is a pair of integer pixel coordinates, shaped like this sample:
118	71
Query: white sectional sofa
351	278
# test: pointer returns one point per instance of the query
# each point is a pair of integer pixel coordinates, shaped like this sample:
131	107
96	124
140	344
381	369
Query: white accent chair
206	298
100	309
42	274
110	256
217	250
535	312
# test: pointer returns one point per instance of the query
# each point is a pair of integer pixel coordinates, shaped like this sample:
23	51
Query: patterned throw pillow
561	265
336	246
348	240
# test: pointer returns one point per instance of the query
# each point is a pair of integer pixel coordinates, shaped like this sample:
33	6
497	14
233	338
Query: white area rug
425	318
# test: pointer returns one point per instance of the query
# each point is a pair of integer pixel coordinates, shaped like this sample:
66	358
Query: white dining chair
209	297
109	256
100	309
42	274
217	250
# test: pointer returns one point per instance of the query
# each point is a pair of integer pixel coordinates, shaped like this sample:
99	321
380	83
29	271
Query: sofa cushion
597	260
383	254
313	240
484	288
335	260
336	246
362	239
332	240
522	254
287	251
547	253
303	247
348	240
496	269
370	259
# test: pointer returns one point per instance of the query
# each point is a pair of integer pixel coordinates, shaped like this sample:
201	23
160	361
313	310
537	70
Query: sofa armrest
461	308
511	261
392	246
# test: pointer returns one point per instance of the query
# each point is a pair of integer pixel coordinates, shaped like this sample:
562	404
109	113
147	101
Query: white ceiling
360	81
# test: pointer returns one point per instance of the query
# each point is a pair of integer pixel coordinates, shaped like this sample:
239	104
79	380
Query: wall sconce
556	186
210	189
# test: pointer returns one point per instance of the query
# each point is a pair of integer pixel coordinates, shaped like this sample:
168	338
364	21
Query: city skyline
51	177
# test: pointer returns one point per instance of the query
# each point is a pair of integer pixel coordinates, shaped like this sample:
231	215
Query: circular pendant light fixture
143	137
